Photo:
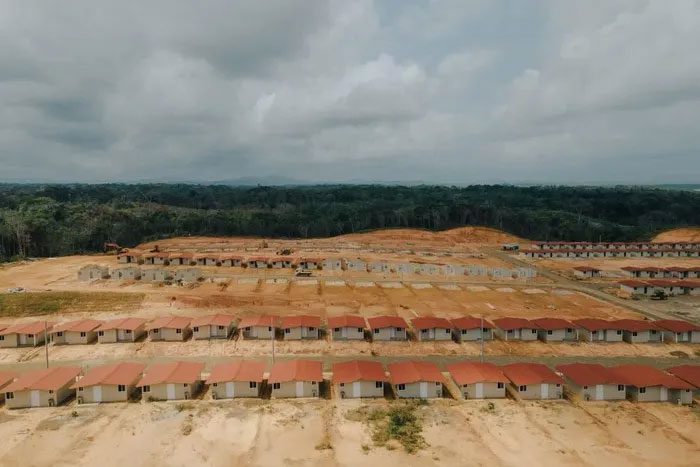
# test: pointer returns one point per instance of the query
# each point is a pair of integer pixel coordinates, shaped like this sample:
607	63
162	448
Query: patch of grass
489	408
46	303
400	424
323	445
680	354
697	352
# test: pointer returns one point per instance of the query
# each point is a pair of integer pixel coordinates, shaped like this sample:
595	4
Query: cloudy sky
449	91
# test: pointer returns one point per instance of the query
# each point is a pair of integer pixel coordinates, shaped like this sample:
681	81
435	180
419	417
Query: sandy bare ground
318	433
687	234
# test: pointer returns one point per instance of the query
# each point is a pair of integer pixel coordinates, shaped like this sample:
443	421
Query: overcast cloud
450	91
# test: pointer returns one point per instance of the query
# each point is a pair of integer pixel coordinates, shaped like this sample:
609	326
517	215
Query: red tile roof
240	370
127	373
122	323
346	321
470	322
35	327
634	325
513	323
295	370
44	380
688	373
300	321
259	320
633	283
476	372
171	322
530	373
647	376
173	372
430	322
413	372
589	374
358	370
378	322
213	320
81	325
6	377
552	324
594	324
676	325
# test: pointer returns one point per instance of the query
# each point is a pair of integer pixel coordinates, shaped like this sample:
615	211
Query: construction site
397	273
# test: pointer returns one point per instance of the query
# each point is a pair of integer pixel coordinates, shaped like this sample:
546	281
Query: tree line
52	220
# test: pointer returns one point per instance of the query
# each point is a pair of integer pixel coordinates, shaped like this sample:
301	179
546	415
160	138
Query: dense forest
49	220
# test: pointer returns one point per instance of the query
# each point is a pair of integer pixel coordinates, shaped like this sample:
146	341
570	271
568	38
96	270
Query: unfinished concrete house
130	273
93	272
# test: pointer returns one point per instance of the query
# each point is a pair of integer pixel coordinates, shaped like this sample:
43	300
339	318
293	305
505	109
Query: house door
479	390
423	390
120	335
300	389
22	339
599	393
356	389
35	399
663	394
97	393
230	391
170	391
544	391
344	332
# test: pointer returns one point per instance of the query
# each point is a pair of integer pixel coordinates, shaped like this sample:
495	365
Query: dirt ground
320	433
688	234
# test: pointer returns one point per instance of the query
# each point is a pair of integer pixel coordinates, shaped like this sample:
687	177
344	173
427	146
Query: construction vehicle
659	295
301	272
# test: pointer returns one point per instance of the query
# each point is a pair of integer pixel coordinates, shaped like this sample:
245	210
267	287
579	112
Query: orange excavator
111	247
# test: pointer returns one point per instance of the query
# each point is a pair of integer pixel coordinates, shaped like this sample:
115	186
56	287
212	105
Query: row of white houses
652	287
612	253
92	272
130	381
618	245
331	264
346	327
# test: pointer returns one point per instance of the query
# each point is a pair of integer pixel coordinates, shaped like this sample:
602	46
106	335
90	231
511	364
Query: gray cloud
445	91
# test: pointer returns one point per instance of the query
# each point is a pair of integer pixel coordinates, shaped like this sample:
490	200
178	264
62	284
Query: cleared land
329	433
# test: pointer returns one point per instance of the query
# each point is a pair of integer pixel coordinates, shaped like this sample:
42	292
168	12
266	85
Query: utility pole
46	343
481	332
272	337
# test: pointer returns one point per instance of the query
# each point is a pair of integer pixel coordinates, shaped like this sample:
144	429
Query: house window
569	330
620	387
360	330
155	331
619	332
585	387
178	331
378	384
195	329
275	385
534	331
336	329
50	391
269	329
401	387
399	329
634	333
464	331
312	329
447	331
485	330
146	389
9	395
642	390
100	333
558	385
376	331
499	385
438	384
287	331
185	385
221	328
342	385
121	388
253	384
2	338
30	336
549	332
80	389
83	334
653	332
215	384
522	388
128	331
313	383
59	334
